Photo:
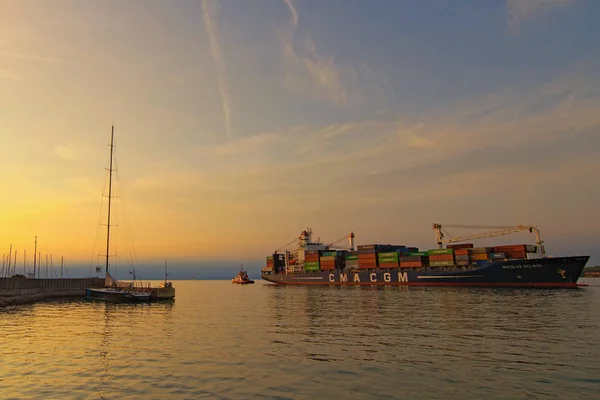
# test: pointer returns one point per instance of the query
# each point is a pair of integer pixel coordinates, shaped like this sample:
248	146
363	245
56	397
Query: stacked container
389	259
367	256
480	255
311	260
441	257
270	263
275	263
331	260
462	256
351	258
460	246
414	260
518	251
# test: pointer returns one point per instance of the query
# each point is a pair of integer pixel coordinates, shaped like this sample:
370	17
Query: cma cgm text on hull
317	263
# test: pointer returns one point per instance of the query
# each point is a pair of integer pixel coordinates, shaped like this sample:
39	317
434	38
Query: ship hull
559	272
110	295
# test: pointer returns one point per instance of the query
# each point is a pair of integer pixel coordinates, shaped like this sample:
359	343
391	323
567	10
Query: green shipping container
269	257
327	258
329	253
441	263
311	268
440	251
314	264
388	260
352	257
418	253
389	254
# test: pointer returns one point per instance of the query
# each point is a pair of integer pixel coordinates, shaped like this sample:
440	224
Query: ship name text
521	266
373	277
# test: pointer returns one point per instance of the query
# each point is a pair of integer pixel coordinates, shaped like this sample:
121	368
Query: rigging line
127	230
99	223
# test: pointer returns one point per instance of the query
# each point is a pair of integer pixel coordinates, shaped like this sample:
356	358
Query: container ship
449	264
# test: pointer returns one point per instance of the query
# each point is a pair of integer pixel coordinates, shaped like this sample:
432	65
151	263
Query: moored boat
125	292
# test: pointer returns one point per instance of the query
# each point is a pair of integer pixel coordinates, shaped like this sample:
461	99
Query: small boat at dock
124	291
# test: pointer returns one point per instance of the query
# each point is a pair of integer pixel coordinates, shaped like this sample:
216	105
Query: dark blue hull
560	272
116	295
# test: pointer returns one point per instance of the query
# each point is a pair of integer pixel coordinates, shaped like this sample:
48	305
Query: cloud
70	151
31	57
522	10
210	11
4	74
310	72
250	145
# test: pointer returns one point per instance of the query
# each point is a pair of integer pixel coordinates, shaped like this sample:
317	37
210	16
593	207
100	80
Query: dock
20	290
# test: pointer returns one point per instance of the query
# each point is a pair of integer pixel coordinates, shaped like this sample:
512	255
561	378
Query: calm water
219	340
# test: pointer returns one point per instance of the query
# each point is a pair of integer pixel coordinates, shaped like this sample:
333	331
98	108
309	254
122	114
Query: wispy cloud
242	146
521	10
5	74
210	10
70	151
31	57
308	71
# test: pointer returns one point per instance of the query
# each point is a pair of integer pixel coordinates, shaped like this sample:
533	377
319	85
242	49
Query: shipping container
411	264
413	258
480	256
462	251
351	257
460	246
329	254
441	263
328	258
480	250
440	251
312	264
367	265
512	247
441	257
389	265
327	267
388	254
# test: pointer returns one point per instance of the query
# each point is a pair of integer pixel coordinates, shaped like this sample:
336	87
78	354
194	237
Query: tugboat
242	277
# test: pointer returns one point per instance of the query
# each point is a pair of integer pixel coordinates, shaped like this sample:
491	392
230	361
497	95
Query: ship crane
350	246
500	231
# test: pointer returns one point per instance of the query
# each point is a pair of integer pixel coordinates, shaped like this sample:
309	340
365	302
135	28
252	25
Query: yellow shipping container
479	257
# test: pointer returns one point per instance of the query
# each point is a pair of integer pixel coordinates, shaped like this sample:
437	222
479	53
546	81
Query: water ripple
219	340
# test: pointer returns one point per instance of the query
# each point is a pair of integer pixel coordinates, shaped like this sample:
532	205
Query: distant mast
110	171
166	271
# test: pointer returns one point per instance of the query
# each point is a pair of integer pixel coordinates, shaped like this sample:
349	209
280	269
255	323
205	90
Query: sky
240	123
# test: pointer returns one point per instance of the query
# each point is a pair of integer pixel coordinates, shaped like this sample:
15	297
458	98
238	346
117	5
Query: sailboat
114	291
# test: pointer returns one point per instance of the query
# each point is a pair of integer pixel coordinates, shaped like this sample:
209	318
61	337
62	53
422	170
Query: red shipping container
460	246
388	265
367	265
411	264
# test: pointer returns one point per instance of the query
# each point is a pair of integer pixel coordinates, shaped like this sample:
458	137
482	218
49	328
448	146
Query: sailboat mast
110	171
